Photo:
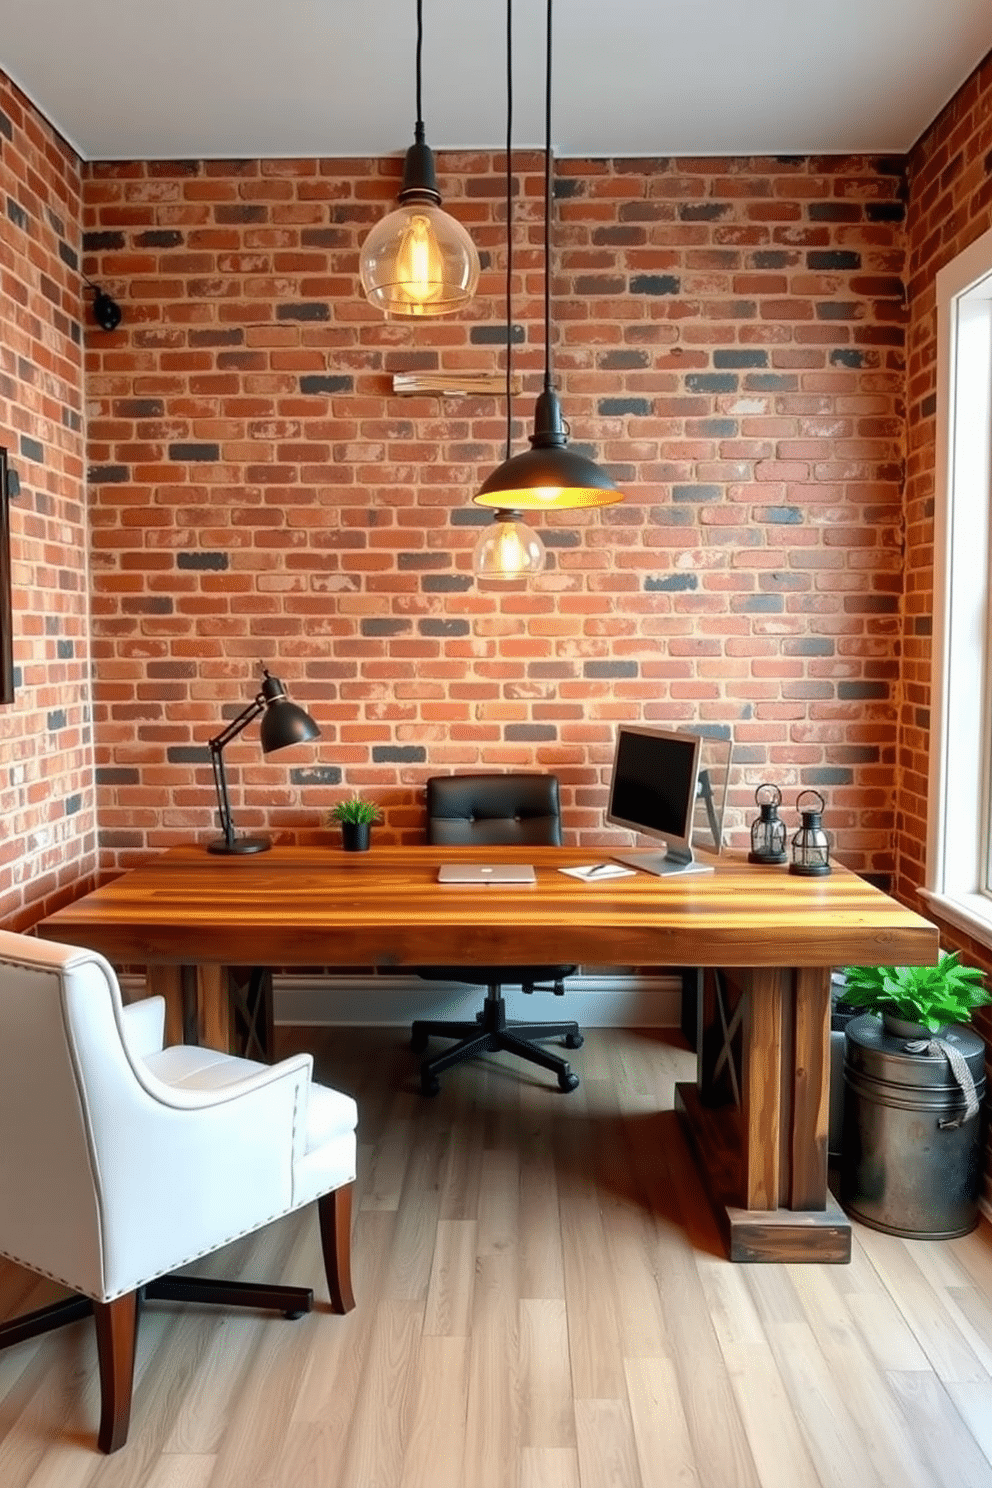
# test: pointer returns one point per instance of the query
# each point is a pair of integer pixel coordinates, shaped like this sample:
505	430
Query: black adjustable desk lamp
283	723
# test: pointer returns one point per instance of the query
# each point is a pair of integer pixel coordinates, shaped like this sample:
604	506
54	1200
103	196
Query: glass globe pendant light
418	260
509	549
549	476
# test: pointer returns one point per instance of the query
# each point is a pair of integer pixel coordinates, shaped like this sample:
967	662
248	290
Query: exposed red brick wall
729	341
950	205
48	841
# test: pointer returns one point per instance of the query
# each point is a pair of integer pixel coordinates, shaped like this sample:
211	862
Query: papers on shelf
598	872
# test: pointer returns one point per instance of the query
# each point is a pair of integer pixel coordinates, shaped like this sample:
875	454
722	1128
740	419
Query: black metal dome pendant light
509	549
418	260
548	476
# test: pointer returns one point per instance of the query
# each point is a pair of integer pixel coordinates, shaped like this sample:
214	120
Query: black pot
355	836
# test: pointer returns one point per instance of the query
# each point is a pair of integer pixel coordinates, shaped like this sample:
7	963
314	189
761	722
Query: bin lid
872	1051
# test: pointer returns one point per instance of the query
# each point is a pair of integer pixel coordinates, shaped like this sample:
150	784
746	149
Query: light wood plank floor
542	1303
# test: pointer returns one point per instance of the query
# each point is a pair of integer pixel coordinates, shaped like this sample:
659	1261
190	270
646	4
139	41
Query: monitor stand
675	860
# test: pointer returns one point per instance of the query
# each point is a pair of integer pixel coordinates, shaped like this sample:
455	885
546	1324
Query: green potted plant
355	817
916	1001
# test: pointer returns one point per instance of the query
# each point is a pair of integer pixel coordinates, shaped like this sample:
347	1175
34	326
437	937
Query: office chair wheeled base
490	1033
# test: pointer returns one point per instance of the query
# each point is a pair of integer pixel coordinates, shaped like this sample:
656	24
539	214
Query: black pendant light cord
420	48
547	209
509	227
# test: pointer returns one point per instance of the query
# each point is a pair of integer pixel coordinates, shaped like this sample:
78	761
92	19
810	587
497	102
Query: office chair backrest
520	810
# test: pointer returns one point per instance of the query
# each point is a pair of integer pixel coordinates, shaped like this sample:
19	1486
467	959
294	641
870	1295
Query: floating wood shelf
454	384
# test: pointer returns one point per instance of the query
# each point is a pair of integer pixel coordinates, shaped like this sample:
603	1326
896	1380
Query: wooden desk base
820	1235
750	1051
758	1114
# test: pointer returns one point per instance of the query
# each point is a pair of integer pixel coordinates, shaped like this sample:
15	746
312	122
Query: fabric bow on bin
960	1071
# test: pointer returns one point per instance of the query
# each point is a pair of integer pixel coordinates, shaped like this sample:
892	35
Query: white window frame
957	866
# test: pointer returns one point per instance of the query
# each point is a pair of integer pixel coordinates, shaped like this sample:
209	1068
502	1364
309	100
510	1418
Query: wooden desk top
319	906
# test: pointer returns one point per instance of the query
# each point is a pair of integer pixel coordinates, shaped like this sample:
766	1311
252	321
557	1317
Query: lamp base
240	845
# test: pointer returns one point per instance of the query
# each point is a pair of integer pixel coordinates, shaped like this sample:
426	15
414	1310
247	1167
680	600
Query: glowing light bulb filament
419	271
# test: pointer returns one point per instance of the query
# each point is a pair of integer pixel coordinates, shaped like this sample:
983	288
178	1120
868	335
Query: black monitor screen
654	782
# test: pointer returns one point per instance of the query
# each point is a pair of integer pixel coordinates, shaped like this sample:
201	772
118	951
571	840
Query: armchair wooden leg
334	1212
116	1324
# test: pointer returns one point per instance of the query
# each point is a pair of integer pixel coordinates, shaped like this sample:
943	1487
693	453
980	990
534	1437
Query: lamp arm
223	800
216	747
242	721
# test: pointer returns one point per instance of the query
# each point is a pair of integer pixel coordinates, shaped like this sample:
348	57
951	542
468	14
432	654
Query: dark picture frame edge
6	589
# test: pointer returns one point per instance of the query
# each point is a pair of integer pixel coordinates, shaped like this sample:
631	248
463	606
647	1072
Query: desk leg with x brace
222	1007
758	1113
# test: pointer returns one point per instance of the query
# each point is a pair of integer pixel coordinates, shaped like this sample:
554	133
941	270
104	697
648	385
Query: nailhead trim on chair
142	1281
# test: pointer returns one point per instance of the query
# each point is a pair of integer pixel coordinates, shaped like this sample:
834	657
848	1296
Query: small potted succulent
355	818
916	1001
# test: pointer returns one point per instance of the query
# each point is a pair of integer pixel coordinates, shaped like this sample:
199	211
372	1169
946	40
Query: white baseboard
385	1001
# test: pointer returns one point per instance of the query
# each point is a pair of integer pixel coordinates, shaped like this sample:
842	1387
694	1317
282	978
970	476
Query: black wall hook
106	311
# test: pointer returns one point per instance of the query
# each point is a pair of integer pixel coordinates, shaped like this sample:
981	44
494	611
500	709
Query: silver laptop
482	873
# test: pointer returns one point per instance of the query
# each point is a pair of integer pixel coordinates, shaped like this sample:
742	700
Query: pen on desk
598	868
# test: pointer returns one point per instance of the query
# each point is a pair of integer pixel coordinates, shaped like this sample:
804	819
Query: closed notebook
483	873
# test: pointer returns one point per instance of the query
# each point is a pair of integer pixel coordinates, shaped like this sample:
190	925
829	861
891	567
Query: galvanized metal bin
901	1170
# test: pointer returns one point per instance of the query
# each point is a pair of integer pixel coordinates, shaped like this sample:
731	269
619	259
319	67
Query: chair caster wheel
418	1041
574	1041
568	1081
429	1085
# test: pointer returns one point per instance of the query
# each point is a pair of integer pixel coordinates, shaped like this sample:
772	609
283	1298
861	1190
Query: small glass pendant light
419	260
810	848
509	549
768	829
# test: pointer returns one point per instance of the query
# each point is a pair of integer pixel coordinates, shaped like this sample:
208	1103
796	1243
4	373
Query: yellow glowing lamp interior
419	276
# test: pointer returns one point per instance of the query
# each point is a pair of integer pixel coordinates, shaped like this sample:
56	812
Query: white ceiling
177	79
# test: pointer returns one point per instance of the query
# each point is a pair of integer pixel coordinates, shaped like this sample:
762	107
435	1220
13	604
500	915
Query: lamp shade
419	261
548	476
283	723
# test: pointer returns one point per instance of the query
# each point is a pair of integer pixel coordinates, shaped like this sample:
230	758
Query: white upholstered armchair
121	1160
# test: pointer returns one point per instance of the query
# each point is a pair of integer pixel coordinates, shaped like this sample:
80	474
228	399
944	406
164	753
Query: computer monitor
653	790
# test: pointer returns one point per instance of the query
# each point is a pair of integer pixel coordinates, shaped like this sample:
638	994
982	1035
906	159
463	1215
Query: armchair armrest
194	1165
206	1087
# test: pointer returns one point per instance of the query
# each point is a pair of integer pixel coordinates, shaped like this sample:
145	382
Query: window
959	843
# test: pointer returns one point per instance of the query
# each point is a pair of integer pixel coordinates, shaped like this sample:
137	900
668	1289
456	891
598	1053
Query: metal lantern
768	829
810	848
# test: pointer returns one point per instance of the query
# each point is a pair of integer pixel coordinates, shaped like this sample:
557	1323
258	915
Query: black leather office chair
495	810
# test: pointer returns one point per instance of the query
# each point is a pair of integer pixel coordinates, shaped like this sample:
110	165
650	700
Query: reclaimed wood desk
189	915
